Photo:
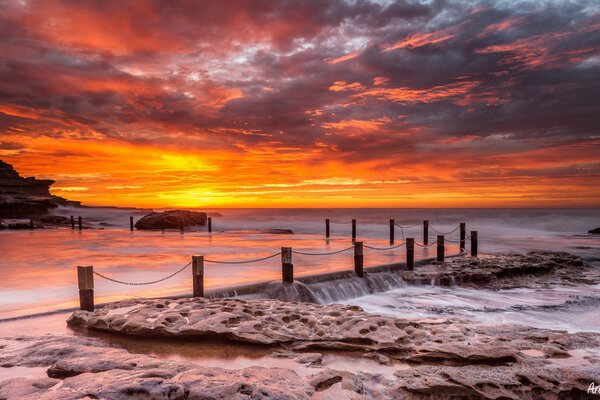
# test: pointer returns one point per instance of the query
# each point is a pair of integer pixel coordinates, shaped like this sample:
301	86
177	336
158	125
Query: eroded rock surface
503	271
80	367
310	326
445	358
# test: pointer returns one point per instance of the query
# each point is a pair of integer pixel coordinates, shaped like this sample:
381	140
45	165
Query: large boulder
595	231
175	219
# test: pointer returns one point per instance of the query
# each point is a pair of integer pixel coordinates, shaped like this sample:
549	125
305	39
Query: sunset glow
304	104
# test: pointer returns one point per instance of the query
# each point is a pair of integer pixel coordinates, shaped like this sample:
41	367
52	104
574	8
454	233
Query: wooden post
31	223
463	234
131	224
425	232
72	222
353	230
410	254
358	259
79	222
440	248
392	226
287	268
327	227
85	281
209	224
198	276
473	243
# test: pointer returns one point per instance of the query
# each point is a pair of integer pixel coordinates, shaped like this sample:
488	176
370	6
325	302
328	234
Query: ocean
39	267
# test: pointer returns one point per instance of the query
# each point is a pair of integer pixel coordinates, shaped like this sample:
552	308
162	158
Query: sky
252	103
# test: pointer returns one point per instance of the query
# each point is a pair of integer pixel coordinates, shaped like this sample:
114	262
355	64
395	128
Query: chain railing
425	245
340	222
444	233
406	227
242	262
384	248
141	283
304	253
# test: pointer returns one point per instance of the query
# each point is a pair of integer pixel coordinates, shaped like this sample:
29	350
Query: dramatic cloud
337	103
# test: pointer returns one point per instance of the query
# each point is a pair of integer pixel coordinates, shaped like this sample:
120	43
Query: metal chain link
425	245
141	283
385	248
406	227
444	233
322	254
242	262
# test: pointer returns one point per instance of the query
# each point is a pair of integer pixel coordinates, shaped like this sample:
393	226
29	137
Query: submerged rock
175	219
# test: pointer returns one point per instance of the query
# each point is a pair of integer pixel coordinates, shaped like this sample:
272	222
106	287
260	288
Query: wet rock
306	327
503	271
175	219
92	368
595	231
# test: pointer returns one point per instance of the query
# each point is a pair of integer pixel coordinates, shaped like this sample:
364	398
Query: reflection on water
38	267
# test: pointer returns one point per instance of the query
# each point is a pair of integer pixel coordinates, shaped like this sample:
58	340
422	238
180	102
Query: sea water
38	268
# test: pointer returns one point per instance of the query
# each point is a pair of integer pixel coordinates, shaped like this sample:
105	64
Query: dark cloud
409	78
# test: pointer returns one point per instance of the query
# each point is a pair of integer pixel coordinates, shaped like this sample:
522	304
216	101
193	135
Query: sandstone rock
304	326
89	367
510	270
26	197
174	219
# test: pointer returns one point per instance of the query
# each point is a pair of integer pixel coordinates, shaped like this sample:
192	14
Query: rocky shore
26	197
429	358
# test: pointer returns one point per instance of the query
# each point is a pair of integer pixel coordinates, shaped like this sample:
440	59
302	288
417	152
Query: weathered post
473	243
85	281
72	223
31	223
463	234
287	268
209	224
425	232
198	276
353	230
358	259
392	226
131	224
440	248
80	223
410	254
327	227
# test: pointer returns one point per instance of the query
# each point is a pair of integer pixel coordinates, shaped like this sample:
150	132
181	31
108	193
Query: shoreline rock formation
26	197
173	219
430	359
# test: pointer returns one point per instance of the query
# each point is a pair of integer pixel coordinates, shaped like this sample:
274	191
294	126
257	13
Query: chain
142	283
444	233
406	227
322	254
242	262
384	248
425	245
341	223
